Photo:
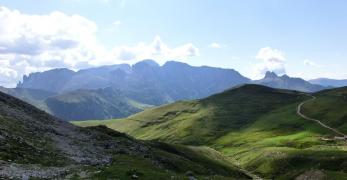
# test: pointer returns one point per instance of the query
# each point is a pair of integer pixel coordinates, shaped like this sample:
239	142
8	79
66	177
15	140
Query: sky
301	38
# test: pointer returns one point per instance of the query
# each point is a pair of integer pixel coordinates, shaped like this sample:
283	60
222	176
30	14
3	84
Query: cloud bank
30	43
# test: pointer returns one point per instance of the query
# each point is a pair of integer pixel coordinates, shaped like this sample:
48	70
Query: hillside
145	81
285	82
93	104
255	126
32	96
34	144
99	104
331	107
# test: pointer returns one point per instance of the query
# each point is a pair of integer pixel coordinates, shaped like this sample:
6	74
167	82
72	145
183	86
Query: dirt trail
299	112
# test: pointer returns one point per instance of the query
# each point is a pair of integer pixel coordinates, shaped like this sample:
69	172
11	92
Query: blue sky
305	38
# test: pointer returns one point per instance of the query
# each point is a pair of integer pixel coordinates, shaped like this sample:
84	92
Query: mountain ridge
329	82
271	79
166	83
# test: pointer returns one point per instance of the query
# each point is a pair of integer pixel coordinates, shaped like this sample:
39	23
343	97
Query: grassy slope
93	104
330	107
35	140
203	121
35	97
170	161
256	127
204	162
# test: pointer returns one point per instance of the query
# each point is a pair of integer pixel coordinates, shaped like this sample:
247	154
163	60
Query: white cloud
271	60
270	55
30	43
157	50
215	45
308	62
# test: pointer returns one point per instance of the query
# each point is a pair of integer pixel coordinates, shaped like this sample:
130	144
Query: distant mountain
285	82
93	104
35	145
329	82
145	81
51	81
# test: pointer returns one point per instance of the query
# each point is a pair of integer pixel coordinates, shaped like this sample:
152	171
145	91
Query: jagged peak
270	74
285	76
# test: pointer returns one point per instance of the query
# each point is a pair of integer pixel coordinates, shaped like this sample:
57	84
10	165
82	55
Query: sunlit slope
330	107
281	144
256	127
203	121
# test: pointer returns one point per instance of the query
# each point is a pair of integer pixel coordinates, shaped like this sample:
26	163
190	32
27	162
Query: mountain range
118	91
171	82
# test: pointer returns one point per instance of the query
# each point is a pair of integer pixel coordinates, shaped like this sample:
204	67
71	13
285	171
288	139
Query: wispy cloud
308	62
216	45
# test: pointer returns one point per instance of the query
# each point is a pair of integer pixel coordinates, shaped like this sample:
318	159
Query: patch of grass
127	167
23	147
124	167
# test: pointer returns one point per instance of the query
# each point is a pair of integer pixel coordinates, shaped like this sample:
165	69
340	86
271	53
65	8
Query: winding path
299	112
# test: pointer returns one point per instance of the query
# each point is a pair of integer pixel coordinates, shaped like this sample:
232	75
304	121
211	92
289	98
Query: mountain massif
35	145
257	127
145	82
